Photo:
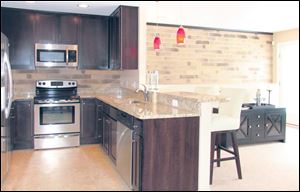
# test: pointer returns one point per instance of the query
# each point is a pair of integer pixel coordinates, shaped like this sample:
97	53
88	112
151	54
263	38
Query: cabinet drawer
100	106
125	118
111	111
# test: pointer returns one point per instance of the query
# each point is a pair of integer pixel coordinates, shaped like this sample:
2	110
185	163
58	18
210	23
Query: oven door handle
58	105
57	136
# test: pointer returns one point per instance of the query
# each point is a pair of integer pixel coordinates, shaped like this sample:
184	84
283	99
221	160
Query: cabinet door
46	28
275	120
88	132
244	132
129	37
113	140
100	119
23	126
257	124
18	26
137	155
93	43
69	29
115	49
106	128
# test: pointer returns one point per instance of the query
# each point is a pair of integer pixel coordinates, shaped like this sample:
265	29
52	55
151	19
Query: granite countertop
188	103
198	97
142	110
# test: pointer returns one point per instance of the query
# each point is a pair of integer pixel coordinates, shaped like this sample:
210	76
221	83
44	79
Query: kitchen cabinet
46	28
110	137
18	26
22	124
93	42
110	132
56	28
160	148
124	38
88	130
260	125
106	128
137	149
99	120
69	28
24	28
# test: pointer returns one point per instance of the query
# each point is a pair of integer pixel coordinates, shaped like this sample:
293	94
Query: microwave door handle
10	95
67	57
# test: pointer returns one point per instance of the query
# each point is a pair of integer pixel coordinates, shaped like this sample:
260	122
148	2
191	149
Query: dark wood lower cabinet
113	140
88	130
170	154
164	151
22	124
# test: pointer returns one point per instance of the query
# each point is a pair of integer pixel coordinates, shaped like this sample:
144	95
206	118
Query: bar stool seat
227	121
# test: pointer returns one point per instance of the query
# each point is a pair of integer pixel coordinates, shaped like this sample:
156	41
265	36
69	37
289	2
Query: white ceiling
264	16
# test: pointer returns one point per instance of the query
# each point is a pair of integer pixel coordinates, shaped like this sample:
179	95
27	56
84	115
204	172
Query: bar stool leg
212	154
218	149
236	154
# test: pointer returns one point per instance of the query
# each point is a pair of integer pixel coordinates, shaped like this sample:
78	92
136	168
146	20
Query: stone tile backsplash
89	81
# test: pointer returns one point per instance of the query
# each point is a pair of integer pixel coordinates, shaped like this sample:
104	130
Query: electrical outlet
174	103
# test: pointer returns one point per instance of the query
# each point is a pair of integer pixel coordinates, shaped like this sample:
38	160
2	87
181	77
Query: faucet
145	92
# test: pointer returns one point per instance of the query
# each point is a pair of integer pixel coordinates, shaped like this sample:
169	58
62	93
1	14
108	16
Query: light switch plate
174	103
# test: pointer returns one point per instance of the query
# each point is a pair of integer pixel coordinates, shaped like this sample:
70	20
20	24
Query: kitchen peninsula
174	141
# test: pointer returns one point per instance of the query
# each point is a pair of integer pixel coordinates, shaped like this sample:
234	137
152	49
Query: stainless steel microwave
56	55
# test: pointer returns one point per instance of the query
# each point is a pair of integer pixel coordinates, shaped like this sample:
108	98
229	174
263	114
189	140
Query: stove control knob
44	83
73	83
40	83
69	83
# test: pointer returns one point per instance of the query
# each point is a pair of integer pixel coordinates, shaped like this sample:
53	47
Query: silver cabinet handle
267	124
258	125
257	134
250	126
258	116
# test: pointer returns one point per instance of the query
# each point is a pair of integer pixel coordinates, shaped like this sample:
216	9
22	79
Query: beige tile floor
73	169
272	166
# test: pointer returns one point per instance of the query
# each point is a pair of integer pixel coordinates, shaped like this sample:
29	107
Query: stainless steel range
56	114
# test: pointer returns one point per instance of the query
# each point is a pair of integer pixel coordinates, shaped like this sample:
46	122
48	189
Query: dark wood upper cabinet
124	38
46	28
93	43
69	27
103	42
18	26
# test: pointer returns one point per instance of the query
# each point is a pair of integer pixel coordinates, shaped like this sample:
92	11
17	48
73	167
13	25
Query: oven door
56	118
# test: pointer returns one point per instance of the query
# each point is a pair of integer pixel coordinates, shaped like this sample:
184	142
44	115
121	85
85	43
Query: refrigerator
6	101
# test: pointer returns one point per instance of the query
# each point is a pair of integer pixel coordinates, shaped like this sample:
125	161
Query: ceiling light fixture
83	5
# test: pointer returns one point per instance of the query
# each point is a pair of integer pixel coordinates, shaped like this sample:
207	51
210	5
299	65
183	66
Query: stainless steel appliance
124	152
56	55
6	101
56	114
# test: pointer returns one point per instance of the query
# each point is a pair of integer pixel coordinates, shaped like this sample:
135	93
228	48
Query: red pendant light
180	35
156	43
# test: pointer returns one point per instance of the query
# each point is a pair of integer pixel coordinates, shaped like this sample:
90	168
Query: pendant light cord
156	18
